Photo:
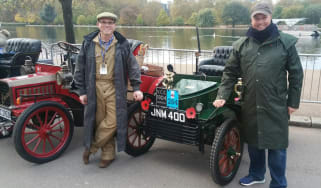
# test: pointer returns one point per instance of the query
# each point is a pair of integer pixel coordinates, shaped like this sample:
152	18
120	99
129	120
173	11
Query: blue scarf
270	32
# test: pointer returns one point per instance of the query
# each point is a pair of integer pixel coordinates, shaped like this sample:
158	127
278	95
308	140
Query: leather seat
215	66
17	50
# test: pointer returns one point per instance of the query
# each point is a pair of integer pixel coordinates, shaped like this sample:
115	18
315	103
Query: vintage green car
181	110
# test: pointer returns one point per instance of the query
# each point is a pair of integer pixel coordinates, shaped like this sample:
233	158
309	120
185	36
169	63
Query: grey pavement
167	165
308	115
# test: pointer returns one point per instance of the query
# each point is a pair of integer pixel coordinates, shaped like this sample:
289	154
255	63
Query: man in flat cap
270	67
103	66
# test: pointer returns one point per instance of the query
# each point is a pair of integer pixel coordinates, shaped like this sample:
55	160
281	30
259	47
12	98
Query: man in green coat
270	67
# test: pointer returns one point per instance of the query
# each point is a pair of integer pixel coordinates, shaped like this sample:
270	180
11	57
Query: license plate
167	98
4	113
168	114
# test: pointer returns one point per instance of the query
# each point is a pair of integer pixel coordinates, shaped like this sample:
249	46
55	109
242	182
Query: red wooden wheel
226	152
230	152
139	137
43	132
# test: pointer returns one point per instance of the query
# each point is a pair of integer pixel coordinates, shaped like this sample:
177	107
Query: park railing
184	62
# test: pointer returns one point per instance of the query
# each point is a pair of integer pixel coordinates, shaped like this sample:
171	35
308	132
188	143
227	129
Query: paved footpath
308	115
167	165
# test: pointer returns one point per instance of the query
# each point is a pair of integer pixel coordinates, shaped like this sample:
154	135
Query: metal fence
184	61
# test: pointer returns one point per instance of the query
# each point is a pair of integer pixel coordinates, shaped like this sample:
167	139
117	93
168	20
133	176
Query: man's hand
138	95
291	110
219	103
83	99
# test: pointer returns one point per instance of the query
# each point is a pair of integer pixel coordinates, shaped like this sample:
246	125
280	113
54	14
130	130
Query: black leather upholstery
215	65
17	51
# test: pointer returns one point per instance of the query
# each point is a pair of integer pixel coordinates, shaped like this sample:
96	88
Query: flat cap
107	15
261	8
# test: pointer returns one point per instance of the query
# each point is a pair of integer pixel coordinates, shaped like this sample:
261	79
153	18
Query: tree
48	13
235	13
139	19
128	15
277	12
163	19
150	12
66	6
193	19
205	18
182	8
178	21
295	11
81	19
313	13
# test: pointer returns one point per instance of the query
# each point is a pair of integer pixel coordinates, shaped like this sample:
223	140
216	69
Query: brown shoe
85	156
105	163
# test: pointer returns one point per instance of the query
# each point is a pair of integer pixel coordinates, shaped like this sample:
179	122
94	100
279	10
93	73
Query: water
179	38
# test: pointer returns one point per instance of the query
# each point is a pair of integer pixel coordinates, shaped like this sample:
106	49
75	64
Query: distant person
272	74
4	35
104	65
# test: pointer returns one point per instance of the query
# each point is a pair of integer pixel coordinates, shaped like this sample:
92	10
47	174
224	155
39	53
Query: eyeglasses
106	23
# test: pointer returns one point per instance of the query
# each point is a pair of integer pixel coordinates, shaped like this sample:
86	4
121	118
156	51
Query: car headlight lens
199	107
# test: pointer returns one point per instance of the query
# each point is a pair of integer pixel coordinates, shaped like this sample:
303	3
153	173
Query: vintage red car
42	108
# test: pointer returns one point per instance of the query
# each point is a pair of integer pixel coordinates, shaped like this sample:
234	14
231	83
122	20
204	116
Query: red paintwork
149	83
47	68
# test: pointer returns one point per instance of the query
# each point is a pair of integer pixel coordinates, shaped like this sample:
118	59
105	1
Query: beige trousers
105	120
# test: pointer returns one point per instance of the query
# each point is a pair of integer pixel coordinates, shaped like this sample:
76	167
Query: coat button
257	80
258	53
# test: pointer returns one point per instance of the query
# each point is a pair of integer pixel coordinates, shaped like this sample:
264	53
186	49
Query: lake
178	38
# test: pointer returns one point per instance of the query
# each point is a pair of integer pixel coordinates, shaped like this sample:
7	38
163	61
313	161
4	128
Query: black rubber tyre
47	138
226	152
136	129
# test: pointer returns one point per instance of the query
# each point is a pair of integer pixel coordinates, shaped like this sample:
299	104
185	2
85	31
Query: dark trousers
276	163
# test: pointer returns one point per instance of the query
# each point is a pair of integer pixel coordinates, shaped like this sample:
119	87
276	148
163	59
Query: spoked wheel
139	137
43	132
226	152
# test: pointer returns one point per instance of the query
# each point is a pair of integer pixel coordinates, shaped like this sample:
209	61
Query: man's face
260	21
106	26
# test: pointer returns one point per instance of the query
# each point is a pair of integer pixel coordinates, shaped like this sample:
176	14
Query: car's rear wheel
226	152
139	137
46	138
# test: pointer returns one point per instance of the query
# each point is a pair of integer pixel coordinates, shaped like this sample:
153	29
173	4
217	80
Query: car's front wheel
226	152
43	132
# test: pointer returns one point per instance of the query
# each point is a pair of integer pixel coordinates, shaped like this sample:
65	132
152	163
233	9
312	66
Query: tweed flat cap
261	8
107	15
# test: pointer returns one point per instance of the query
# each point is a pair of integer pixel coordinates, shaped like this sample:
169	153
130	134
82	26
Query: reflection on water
158	37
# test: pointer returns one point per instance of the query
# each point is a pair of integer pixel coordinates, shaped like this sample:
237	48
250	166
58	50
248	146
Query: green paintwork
195	89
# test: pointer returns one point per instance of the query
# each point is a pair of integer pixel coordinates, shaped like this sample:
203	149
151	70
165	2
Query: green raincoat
272	77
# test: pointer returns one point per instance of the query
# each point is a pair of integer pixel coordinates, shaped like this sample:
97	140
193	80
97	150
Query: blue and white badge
172	99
